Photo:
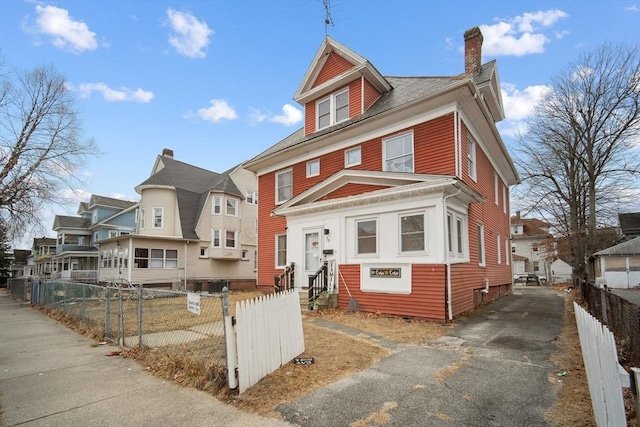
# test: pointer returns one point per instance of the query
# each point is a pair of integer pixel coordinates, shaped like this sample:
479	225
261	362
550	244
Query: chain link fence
171	322
621	316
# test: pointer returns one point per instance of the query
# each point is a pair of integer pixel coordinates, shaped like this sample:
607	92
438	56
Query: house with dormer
532	246
78	237
395	190
195	230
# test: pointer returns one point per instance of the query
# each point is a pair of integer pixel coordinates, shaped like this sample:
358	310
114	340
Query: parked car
532	279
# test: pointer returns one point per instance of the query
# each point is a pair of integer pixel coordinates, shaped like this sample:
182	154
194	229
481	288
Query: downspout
446	252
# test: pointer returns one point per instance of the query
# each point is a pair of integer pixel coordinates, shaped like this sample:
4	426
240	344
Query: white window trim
226	207
161	218
332	108
215	199
213	237
367	255
206	252
499	246
277	251
398	136
142	219
507	252
279	202
235	239
472	156
309	163
504	198
346	157
424	233
252	197
496	188
482	249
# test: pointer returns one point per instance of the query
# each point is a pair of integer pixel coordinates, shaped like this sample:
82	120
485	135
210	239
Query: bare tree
41	146
581	150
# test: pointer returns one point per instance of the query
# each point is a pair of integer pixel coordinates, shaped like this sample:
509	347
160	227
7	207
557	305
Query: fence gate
268	334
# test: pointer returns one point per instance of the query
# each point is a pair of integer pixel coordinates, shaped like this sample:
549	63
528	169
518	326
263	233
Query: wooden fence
604	374
268	334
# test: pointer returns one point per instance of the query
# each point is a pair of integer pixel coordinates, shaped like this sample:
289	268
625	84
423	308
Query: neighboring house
195	227
399	184
619	265
561	271
530	241
629	224
19	262
39	263
78	237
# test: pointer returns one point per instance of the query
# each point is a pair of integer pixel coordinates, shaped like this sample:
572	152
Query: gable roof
109	202
63	221
630	247
361	67
531	227
192	185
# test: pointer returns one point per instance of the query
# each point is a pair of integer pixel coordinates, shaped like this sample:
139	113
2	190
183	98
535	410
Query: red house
395	191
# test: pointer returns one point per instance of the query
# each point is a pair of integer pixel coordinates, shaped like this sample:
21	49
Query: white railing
604	374
268	334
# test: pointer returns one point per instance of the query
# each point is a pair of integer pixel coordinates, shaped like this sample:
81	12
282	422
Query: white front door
312	251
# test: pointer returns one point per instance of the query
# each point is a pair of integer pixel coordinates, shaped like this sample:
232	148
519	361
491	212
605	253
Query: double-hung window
412	232
398	153
141	221
367	237
471	156
232	207
481	252
281	250
252	197
216	205
284	186
216	239
158	216
332	110
231	239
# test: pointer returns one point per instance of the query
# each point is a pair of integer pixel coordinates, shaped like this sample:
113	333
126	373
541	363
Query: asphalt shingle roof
192	185
63	221
405	90
630	247
110	202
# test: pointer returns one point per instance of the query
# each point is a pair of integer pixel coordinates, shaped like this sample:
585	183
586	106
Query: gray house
619	265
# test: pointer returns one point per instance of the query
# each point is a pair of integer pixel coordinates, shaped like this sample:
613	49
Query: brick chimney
167	153
473	51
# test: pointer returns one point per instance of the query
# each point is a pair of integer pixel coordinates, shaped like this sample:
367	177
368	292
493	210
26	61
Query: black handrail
319	282
285	280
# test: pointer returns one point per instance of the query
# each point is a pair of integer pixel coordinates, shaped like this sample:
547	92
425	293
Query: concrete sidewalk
51	376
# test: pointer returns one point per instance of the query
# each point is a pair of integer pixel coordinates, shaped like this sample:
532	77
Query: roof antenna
327	17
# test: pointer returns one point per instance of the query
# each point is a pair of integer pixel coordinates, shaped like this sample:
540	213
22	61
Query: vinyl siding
334	66
351	189
427	298
371	94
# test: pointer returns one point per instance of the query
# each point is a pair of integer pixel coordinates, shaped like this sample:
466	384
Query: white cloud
190	37
218	111
632	8
289	117
521	35
518	105
122	94
66	33
256	116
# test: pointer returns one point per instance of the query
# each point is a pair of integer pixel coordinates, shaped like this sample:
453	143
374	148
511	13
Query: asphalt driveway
492	369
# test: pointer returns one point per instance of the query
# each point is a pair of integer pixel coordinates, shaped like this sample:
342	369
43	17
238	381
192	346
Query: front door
312	251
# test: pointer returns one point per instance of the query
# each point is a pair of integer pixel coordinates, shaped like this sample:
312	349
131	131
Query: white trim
213	205
277	250
424	249
308	168
482	248
356	221
346	156
277	188
235	239
394	138
154	226
333	108
215	231
235	204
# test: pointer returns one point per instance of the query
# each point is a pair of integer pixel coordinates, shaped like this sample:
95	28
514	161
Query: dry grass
338	355
572	407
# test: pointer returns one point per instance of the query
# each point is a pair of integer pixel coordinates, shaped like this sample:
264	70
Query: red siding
371	94
351	189
434	146
310	118
427	298
267	230
355	96
334	66
469	279
355	91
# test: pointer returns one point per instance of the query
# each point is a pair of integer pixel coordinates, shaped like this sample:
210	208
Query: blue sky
214	80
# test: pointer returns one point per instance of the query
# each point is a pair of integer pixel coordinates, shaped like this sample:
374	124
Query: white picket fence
268	334
604	374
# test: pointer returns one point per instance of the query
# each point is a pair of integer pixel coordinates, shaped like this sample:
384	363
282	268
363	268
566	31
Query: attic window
333	109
